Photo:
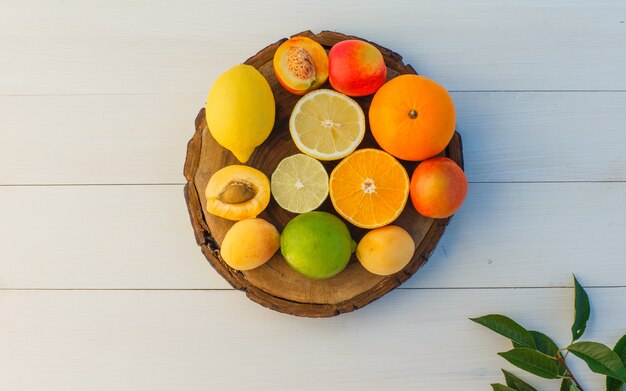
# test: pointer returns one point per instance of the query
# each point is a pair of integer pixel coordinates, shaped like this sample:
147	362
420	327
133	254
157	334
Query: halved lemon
299	184
327	125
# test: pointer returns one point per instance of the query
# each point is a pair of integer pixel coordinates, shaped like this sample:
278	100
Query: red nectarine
438	187
356	68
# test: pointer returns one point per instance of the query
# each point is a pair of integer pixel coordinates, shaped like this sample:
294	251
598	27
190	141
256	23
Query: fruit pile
411	118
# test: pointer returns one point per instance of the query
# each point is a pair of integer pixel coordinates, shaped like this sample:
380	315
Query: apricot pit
237	192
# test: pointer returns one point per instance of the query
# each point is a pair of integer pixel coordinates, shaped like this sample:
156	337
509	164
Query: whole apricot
237	192
356	68
249	244
300	65
385	250
438	187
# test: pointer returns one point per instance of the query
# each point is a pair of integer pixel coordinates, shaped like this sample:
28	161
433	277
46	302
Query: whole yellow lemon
240	110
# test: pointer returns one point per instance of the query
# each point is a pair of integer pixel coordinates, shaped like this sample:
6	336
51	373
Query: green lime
317	245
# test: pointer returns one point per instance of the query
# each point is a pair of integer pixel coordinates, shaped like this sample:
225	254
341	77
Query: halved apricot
237	192
301	65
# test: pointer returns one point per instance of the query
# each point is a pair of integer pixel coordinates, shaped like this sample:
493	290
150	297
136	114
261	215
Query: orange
369	188
412	117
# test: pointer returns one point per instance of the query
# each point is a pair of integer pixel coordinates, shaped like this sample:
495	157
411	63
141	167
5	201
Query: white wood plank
140	237
100	236
543	136
142	138
199	340
532	234
95	139
69	47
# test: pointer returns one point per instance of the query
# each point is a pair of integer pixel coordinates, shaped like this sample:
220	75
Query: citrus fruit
369	188
412	117
249	244
240	110
385	250
299	183
316	244
438	187
327	125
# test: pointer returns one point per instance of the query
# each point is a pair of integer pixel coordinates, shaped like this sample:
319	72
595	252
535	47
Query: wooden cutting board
275	285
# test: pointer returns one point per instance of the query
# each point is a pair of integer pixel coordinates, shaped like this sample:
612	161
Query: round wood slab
275	285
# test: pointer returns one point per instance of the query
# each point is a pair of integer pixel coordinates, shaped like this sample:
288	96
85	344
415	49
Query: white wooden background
102	286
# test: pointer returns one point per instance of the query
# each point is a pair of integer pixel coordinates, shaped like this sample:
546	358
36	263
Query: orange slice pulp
369	188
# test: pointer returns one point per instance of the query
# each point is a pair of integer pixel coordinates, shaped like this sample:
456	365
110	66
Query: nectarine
438	187
301	65
356	68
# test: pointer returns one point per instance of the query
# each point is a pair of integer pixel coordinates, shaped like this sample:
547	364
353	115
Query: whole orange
412	117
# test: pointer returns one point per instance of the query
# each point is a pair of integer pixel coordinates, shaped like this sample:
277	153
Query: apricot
249	244
237	192
385	250
438	187
301	65
356	68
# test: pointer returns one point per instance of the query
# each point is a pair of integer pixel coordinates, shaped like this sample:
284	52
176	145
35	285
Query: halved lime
299	184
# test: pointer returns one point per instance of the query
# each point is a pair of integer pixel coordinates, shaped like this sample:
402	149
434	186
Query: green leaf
534	362
613	384
582	311
600	359
501	387
620	348
507	327
568	385
517	383
544	343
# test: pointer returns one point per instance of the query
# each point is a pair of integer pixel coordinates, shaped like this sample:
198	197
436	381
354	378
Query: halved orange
369	188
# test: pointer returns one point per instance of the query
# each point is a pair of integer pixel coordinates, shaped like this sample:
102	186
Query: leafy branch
536	353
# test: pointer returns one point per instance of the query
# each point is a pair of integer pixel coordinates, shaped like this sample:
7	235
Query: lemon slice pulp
299	184
327	125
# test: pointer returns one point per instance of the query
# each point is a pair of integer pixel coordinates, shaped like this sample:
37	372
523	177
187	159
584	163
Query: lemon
327	125
240	110
299	184
317	245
